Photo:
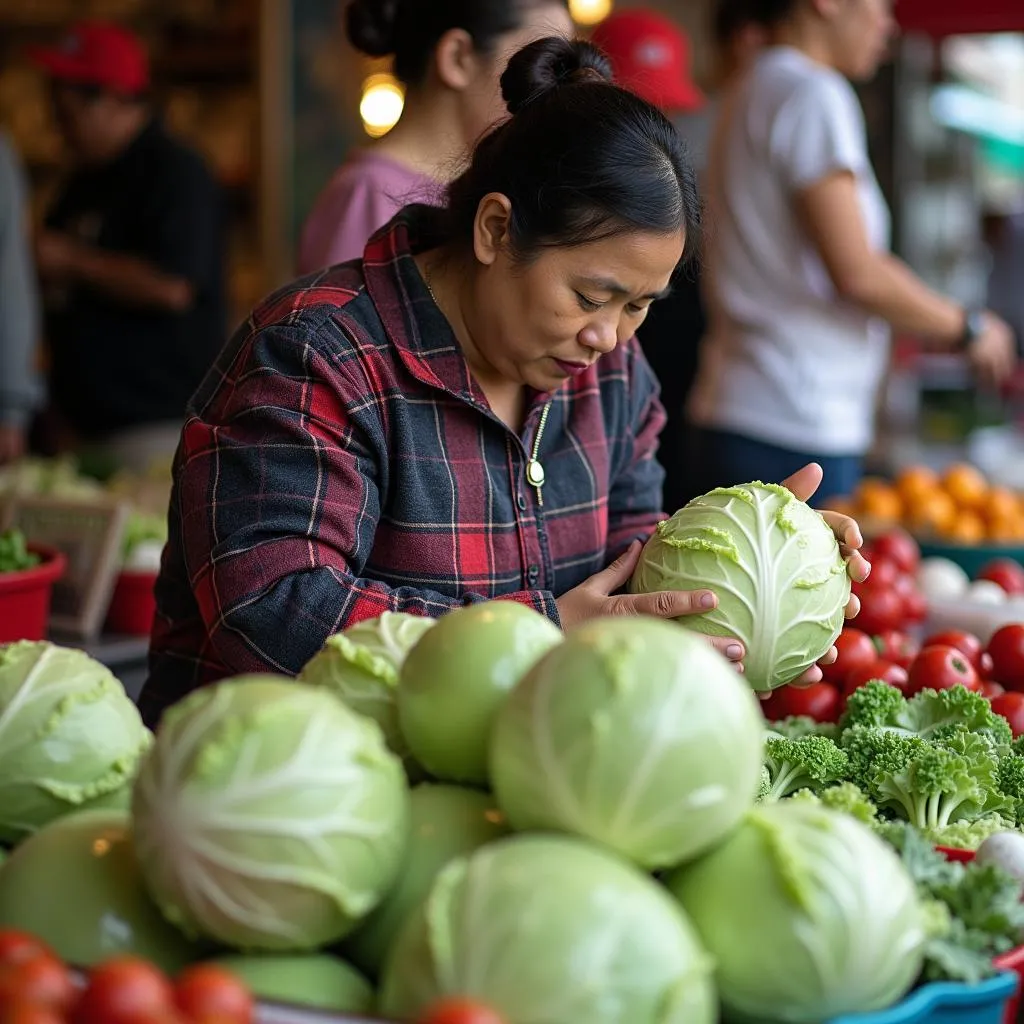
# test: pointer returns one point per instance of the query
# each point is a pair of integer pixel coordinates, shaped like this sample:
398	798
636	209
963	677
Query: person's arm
278	500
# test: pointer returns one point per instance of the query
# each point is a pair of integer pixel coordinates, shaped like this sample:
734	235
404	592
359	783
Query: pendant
534	473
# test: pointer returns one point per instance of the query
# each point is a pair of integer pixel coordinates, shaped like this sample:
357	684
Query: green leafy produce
796	727
268	815
548	928
457	677
75	884
14	553
315	981
811	762
635	734
774	565
807	914
362	664
70	737
845	797
144	538
445	822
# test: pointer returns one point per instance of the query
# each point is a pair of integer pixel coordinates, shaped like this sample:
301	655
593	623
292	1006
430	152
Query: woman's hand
803	484
993	353
596	597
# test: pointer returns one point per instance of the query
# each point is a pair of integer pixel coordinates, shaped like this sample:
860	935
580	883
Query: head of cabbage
774	565
549	928
268	815
70	737
808	914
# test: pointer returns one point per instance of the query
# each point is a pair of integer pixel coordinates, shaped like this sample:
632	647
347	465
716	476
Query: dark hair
580	159
769	12
729	17
410	29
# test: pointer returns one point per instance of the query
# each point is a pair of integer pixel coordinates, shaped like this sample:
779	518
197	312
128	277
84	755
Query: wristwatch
974	326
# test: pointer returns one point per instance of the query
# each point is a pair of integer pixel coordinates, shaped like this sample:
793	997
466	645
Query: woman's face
862	30
483	106
539	323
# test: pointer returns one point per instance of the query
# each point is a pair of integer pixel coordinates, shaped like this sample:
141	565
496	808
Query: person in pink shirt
449	55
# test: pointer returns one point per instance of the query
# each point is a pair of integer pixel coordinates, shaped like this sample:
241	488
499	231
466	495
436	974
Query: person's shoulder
177	162
784	76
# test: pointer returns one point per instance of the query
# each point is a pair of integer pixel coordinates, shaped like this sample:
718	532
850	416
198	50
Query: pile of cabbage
561	827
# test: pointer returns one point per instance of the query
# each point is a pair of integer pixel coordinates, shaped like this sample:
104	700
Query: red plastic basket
133	604
25	597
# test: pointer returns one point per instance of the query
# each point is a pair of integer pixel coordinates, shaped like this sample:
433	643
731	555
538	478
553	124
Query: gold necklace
535	475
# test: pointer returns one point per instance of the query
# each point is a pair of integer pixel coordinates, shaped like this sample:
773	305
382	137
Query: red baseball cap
97	53
650	56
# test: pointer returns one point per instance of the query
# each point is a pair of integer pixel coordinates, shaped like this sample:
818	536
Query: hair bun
548	63
371	26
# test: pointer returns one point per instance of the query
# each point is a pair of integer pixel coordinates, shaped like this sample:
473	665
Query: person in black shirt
131	257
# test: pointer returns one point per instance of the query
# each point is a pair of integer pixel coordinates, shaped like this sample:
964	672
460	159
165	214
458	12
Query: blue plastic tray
946	1002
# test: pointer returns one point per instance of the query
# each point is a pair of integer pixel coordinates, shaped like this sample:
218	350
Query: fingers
852	609
618	574
804	482
829	657
667	604
858	568
809	678
729	646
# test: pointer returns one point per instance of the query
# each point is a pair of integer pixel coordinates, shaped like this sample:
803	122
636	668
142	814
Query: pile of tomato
36	987
879	645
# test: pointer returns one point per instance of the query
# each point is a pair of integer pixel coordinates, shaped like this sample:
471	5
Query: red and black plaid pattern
340	461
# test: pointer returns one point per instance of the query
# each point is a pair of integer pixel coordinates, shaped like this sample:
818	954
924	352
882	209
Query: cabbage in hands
269	816
546	928
808	915
361	665
773	563
633	733
70	737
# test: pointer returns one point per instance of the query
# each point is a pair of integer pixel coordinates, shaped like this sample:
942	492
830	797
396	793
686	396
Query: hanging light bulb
589	12
381	105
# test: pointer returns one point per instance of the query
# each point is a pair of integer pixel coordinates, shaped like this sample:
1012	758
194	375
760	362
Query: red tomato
941	668
30	1013
881	608
855	648
990	689
1011	707
899	547
1007	572
819	701
461	1011
43	980
1007	651
885	671
896	647
967	643
210	992
17	947
915	604
123	990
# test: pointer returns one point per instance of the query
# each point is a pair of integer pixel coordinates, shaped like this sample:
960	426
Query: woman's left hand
803	484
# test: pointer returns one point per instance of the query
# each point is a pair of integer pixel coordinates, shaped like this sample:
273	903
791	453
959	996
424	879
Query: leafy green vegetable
812	762
845	797
774	565
14	553
796	727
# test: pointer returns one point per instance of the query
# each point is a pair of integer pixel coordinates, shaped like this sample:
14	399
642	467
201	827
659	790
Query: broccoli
1011	783
1018	746
796	727
938	714
984	760
969	835
764	785
875	705
808	763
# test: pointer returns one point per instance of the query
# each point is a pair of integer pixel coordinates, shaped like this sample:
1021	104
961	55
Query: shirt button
533	573
521	502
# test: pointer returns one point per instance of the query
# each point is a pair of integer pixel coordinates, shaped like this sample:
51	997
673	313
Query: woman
448	54
801	280
463	415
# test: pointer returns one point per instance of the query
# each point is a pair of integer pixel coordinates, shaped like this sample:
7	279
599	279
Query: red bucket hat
97	53
650	56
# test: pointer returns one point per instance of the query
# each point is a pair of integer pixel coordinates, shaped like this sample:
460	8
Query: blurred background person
131	258
801	286
20	392
651	56
449	55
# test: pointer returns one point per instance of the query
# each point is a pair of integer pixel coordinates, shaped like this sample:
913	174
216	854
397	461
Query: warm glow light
381	105
589	12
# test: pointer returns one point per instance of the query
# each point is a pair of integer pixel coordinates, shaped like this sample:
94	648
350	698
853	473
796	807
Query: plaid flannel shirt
340	461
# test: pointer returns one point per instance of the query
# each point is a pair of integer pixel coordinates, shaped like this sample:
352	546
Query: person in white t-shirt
801	287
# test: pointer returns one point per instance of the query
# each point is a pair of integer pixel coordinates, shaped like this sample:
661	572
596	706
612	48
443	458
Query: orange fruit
932	514
915	482
966	485
1006	529
1001	503
844	506
876	499
966	528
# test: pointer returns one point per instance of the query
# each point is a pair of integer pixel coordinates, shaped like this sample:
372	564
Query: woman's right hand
597	597
993	353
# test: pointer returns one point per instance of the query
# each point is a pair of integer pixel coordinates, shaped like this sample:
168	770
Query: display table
125	656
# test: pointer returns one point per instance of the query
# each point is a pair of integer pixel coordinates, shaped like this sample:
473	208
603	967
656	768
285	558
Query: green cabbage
547	928
268	816
70	737
361	666
807	914
458	675
774	565
633	733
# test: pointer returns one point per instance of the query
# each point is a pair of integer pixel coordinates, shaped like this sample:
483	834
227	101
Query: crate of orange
957	514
